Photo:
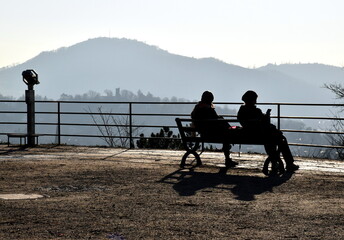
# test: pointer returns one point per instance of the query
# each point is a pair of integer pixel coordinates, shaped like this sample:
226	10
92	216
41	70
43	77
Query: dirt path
100	193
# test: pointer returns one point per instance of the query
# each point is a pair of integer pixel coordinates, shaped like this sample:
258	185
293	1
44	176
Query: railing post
30	102
131	142
279	116
59	123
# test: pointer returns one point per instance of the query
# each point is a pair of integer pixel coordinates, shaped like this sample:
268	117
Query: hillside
110	63
315	74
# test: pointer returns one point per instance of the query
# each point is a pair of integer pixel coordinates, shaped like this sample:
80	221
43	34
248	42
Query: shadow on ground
188	182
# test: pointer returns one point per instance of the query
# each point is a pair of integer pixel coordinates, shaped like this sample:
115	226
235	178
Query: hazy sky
249	33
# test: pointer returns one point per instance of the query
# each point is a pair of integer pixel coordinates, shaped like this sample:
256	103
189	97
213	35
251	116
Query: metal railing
66	115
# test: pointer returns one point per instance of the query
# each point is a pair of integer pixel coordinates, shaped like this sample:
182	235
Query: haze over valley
108	63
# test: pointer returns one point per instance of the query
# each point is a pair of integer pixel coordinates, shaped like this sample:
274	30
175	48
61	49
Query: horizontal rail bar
166	115
314	145
308	131
311	118
178	139
8	123
12	112
175	103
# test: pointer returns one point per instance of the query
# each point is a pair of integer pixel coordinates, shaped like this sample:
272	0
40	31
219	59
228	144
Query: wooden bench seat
21	136
192	139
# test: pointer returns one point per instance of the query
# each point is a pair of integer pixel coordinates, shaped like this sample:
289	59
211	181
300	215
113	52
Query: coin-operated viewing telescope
30	78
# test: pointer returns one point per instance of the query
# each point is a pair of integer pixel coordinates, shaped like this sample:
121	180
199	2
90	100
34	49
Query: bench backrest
189	133
184	128
185	125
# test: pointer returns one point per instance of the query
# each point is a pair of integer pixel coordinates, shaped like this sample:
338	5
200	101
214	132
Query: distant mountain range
109	63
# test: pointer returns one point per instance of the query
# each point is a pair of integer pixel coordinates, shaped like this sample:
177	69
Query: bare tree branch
115	131
337	89
338	125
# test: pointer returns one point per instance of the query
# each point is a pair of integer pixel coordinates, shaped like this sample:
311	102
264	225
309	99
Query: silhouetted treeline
118	96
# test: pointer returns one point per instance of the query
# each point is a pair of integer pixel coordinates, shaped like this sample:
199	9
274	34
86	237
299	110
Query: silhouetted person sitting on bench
257	125
204	110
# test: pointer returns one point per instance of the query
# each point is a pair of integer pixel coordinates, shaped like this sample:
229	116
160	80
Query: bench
21	136
192	140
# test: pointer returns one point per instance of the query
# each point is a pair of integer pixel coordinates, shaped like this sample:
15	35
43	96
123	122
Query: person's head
207	97
250	97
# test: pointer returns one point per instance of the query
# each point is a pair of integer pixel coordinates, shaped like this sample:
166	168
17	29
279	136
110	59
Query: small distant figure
204	110
256	124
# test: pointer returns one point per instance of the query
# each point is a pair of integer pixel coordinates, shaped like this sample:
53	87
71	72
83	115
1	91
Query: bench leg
22	139
191	150
277	166
198	159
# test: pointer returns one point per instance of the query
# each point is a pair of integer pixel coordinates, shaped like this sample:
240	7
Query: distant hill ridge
109	63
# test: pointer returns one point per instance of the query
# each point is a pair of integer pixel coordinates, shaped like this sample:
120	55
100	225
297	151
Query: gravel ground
102	193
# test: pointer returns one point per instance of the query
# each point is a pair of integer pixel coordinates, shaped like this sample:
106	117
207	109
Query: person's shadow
189	181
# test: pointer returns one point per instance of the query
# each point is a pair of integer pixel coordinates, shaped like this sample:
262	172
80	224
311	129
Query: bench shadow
188	182
14	149
23	148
